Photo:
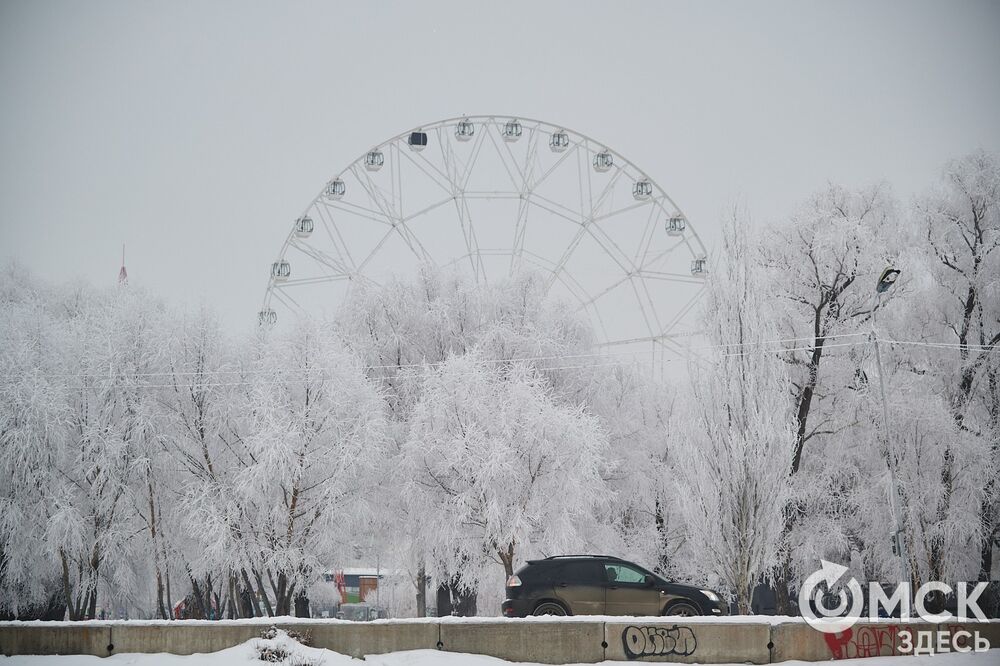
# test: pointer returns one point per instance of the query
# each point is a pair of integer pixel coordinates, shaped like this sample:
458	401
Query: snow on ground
249	653
451	619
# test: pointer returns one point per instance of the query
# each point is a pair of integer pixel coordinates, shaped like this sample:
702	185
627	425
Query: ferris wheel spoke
556	209
520	229
523	172
378	246
639	204
333	232
395	178
471	242
375	194
665	253
651	325
587	195
450	187
360	211
286	299
612	248
567	253
572	285
449	160
505	154
320	256
550	171
681	278
291	283
642	251
608	188
414	243
433	174
604	292
425	210
469	165
685	309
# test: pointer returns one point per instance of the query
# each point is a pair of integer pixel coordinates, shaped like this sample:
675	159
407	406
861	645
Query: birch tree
738	431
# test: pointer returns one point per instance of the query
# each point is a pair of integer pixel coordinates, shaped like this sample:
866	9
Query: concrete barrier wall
543	642
152	638
89	639
363	638
800	641
676	641
550	642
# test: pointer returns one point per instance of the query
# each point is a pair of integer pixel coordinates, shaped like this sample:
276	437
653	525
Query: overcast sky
195	131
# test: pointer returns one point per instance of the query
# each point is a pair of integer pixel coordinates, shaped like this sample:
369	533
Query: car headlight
711	595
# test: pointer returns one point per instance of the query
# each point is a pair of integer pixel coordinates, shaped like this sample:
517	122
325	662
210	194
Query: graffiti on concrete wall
865	641
658	641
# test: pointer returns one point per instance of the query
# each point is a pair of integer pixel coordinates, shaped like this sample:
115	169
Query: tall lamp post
898	540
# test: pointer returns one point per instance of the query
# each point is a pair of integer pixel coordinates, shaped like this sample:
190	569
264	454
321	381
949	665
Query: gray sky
196	131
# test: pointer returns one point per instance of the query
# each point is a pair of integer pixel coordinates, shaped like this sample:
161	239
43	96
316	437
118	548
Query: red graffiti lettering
864	641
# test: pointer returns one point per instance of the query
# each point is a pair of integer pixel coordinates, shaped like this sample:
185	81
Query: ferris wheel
491	196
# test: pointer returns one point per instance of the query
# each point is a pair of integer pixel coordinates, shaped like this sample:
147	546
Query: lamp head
886	280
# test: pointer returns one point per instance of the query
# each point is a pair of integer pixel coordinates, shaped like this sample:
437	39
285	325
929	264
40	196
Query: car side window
585	573
620	573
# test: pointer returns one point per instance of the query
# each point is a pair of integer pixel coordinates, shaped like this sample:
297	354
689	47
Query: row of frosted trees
451	431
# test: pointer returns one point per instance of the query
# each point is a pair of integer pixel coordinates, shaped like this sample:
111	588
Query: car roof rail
577	557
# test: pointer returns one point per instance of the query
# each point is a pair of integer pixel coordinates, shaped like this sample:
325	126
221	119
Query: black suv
601	585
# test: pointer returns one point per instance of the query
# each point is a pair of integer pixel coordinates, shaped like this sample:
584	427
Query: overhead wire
395	366
598	357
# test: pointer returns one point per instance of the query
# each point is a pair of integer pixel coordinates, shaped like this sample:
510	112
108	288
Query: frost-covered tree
738	431
407	325
635	411
500	471
958	241
822	266
197	404
309	446
33	424
92	528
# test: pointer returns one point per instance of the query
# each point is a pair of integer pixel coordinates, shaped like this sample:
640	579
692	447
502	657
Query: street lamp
885	282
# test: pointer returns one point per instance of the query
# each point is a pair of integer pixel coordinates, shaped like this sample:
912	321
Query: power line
393	366
480	362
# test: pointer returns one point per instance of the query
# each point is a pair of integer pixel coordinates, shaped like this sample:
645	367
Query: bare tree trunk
254	602
67	589
263	593
507	558
231	607
421	592
196	593
159	594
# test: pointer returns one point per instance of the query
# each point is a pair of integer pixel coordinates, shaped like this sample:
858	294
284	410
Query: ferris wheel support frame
387	209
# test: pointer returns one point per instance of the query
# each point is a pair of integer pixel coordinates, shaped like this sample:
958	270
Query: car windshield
356	613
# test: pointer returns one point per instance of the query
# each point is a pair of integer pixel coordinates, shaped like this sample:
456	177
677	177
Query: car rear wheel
682	609
550	608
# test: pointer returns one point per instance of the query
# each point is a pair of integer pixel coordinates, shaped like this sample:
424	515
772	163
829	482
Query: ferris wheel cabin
417	141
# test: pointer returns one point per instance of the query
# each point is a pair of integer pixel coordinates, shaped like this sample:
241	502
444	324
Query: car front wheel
550	608
682	609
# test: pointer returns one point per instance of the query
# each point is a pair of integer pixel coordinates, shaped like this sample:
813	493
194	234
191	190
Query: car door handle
562	584
613	587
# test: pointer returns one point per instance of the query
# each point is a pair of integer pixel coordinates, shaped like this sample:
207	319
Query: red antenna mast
123	274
